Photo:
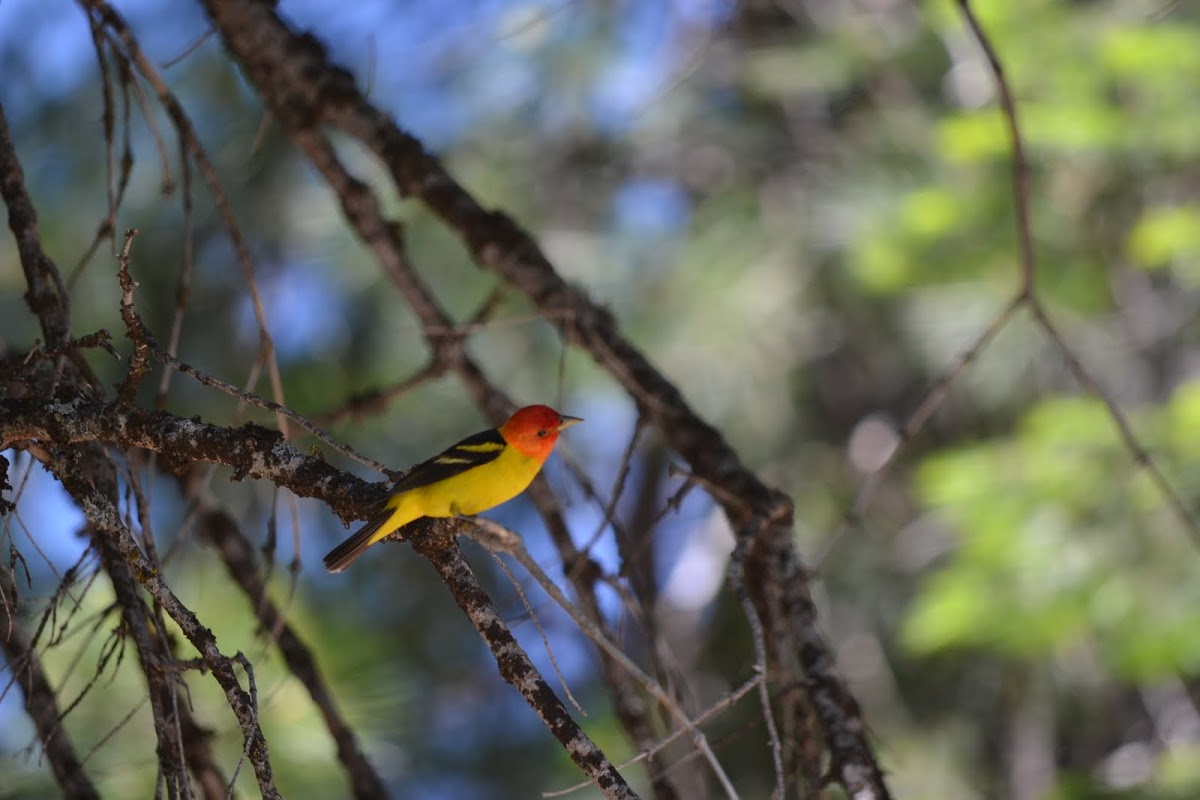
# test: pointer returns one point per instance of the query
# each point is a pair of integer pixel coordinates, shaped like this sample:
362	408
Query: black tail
348	551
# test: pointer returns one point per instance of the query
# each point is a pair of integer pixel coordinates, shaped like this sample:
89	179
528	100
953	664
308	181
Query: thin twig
729	700
183	290
916	423
533	617
145	341
1140	455
440	547
187	133
1020	165
192	47
41	703
238	556
242	702
376	400
609	509
1021	200
737	579
500	538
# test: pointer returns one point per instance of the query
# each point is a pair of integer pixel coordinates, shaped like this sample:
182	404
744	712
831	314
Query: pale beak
565	422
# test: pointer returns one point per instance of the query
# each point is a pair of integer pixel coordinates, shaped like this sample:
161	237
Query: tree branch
47	296
106	521
251	450
41	703
239	560
439	545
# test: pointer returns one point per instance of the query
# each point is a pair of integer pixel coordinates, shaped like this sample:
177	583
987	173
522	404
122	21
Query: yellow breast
476	489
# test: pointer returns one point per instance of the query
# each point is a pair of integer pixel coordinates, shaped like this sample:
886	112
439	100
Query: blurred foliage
802	211
1074	562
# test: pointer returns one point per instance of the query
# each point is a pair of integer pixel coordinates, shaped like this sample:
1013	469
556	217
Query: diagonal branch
107	523
239	559
438	544
500	539
1020	164
47	295
41	703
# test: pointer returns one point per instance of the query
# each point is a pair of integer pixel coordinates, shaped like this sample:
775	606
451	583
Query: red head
534	429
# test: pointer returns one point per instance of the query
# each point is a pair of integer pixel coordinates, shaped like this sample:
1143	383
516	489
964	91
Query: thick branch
251	450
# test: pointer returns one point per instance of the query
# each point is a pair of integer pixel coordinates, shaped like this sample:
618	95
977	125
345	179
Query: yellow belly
470	492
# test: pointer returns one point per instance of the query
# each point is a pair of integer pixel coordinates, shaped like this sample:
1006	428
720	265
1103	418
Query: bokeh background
802	212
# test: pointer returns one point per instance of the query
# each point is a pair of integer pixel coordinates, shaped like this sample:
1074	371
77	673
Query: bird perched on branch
478	473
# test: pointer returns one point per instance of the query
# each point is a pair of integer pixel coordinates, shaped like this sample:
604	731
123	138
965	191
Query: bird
478	473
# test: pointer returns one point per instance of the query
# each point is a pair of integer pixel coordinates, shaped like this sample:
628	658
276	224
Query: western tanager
474	475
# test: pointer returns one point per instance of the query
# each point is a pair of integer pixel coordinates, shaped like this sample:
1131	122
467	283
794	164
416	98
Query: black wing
471	452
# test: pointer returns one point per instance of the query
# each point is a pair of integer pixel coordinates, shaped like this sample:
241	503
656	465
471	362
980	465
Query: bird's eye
542	433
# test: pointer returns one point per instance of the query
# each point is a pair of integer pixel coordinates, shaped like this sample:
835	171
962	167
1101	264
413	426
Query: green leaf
880	265
1068	422
1073	127
931	211
1166	235
1159	52
1183	413
952	611
973	137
